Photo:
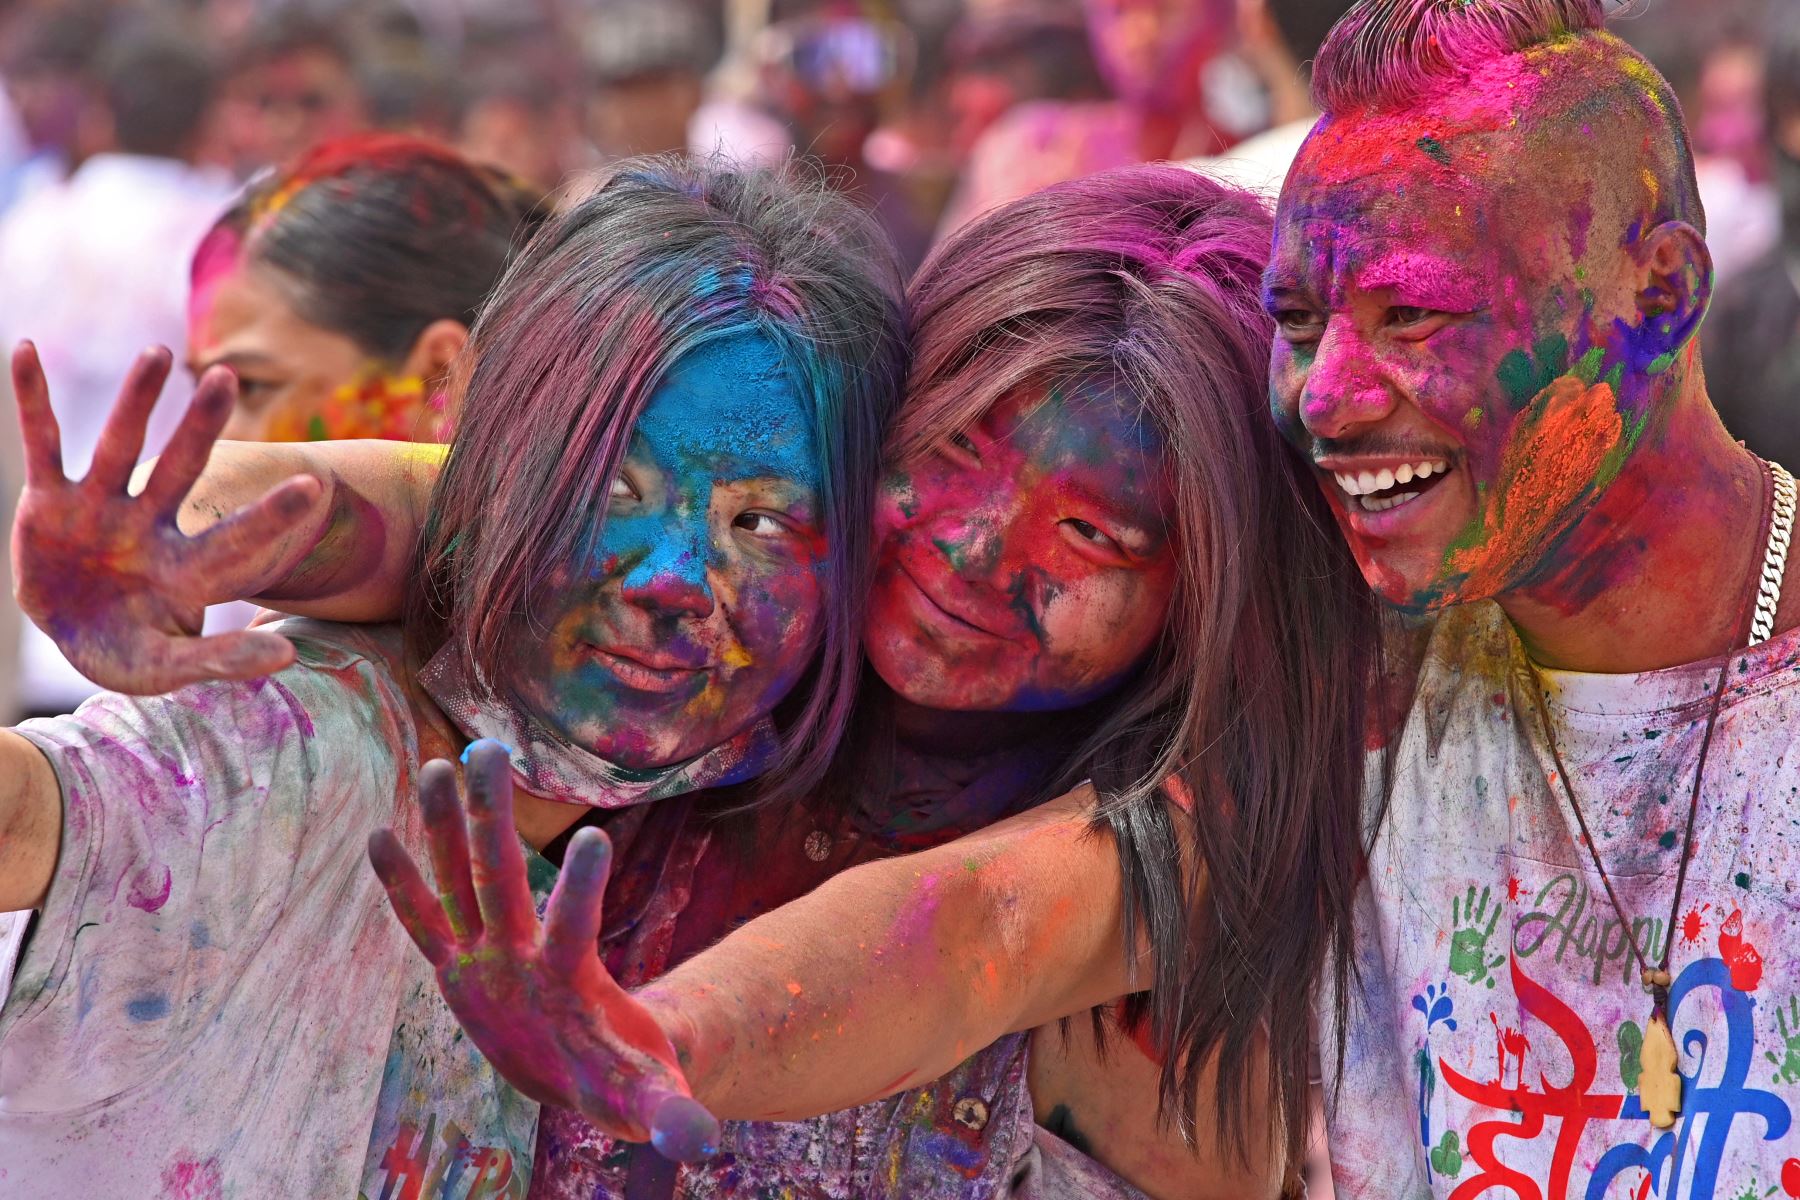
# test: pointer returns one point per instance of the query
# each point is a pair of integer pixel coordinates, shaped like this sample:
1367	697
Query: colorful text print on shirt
1481	299
698	608
1561	1101
1027	565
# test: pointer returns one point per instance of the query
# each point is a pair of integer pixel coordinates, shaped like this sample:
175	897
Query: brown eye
254	394
759	523
1299	324
966	444
1089	532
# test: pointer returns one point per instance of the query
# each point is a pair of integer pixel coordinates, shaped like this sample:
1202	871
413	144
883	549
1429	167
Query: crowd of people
793	585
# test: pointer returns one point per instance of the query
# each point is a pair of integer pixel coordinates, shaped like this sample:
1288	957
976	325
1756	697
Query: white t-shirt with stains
216	1000
1493	1045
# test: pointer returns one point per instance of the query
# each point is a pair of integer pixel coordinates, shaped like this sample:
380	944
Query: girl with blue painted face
640	576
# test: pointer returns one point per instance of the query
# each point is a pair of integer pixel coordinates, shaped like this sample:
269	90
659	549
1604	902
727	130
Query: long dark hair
378	235
1148	280
664	255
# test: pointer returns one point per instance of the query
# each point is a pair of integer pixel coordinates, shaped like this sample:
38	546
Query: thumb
681	1129
245	654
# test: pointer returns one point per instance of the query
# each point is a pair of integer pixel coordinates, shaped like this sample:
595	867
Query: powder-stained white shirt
217	1000
1493	1050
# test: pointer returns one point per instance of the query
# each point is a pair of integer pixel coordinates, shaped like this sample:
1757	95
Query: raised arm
119	573
891	973
886	976
352	566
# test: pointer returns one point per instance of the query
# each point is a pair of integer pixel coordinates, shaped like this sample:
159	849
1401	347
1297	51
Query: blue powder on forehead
735	398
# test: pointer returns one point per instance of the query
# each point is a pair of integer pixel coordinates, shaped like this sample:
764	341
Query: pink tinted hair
1147	281
1386	54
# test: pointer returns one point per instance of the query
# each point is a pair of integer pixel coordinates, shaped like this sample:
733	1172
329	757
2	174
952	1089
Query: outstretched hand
110	576
536	998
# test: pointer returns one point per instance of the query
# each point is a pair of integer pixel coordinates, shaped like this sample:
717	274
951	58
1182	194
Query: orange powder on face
1551	461
374	405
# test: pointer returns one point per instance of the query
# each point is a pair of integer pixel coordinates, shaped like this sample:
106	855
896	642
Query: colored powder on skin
725	431
1525	376
373	405
1434	149
1571	446
1581	219
214	261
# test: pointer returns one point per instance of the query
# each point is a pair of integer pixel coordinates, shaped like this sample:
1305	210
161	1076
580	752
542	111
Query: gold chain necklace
1659	1081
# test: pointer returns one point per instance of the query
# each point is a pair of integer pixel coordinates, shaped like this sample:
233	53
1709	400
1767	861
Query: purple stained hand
534	997
110	576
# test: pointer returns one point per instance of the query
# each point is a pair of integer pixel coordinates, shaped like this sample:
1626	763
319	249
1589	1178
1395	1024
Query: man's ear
1675	280
433	351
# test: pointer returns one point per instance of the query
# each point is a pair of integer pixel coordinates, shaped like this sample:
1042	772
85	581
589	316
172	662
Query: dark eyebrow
1278	282
234	360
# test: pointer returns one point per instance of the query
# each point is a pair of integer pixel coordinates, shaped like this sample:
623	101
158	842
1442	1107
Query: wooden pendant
1659	1083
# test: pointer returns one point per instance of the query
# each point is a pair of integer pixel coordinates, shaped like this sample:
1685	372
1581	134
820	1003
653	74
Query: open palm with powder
534	996
110	575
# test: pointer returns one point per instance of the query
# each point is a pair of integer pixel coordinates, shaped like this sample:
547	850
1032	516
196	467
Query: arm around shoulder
31	820
893	972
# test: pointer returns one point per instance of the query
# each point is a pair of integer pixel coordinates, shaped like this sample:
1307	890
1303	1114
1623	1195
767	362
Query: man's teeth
1371	504
1368	482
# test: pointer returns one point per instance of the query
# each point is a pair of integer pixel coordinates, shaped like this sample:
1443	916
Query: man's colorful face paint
1461	349
1028	565
297	382
699	606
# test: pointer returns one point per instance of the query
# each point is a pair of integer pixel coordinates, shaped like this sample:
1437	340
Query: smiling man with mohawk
1488	275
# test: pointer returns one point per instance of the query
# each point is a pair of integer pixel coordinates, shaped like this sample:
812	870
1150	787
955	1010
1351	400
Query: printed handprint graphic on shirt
1787	1068
1469	942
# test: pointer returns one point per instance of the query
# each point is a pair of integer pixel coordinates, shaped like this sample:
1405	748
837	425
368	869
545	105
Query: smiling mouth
957	623
639	675
1390	487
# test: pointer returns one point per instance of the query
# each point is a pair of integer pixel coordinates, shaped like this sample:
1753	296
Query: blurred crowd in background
126	128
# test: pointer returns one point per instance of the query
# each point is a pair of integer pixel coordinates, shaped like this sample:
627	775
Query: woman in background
340	288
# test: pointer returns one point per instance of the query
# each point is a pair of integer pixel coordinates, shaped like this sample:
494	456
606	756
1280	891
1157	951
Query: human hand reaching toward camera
534	996
111	577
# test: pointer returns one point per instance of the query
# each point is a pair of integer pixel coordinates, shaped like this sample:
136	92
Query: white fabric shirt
1493	1048
1259	164
95	269
217	999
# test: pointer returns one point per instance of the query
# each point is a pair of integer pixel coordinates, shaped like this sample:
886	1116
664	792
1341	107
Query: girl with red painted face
1095	563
